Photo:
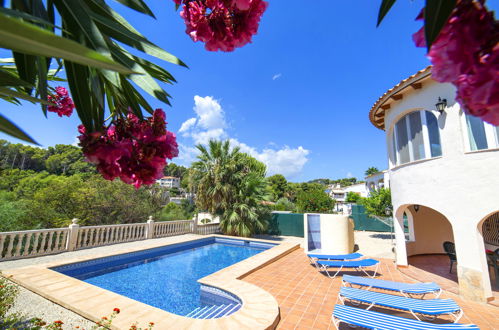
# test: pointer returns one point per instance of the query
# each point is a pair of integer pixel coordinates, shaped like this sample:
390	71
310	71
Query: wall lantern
416	207
388	210
441	104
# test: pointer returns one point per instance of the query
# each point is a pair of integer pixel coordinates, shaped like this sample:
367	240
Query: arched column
472	268
400	246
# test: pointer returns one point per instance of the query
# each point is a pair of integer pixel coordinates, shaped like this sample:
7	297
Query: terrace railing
28	243
171	228
39	242
208	229
104	235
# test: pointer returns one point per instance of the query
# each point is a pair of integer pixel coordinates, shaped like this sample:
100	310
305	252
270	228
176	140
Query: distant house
444	174
339	194
377	180
169	182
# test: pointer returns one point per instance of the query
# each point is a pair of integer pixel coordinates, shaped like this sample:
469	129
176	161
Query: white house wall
463	186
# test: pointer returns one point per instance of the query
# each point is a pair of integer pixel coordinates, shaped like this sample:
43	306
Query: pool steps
213	311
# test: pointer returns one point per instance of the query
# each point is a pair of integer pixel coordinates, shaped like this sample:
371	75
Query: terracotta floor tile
307	297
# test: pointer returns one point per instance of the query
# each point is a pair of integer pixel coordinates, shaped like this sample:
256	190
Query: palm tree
371	170
230	184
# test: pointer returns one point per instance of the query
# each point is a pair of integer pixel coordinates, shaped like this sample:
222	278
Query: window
433	135
416	136
476	133
480	135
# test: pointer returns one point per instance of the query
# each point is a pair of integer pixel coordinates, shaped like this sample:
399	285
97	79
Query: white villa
444	177
339	194
377	180
169	182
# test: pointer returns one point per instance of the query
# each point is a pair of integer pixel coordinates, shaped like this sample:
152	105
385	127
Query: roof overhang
394	94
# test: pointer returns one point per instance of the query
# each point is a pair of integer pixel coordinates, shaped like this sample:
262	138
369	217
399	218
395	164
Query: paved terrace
306	297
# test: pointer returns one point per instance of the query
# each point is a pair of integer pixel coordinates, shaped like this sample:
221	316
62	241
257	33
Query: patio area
306	298
436	268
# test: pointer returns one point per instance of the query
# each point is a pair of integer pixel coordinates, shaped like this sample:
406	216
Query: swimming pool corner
259	308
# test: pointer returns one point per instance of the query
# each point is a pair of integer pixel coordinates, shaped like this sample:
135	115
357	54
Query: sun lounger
358	265
406	289
313	257
429	307
379	321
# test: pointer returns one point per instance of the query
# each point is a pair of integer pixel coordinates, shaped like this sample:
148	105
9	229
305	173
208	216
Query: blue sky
297	98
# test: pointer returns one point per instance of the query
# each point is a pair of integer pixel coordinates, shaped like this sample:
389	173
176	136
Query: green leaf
78	77
9	79
11	129
26	16
119	28
26	68
144	80
385	7
137	5
436	14
42	85
24	96
78	21
30	39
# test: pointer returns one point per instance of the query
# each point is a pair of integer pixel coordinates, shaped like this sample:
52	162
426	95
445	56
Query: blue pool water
165	277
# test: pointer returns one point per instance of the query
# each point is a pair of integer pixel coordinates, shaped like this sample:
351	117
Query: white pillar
400	247
72	235
195	224
150	228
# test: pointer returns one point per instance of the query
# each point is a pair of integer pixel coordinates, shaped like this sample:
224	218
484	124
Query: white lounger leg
336	322
458	316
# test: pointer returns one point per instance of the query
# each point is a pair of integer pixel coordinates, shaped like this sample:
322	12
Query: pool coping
259	309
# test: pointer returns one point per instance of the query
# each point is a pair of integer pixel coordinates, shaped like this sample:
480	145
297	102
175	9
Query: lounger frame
437	293
324	268
456	315
424	325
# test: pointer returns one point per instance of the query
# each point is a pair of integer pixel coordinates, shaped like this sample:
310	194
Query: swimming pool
167	277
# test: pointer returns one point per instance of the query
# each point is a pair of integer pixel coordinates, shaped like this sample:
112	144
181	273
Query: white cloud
202	137
349	175
210	123
209	112
276	76
286	161
186	154
186	125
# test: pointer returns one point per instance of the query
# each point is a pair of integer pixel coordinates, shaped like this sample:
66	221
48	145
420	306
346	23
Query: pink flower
222	24
466	54
63	103
133	150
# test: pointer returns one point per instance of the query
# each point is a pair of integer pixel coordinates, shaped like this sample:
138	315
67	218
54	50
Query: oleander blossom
63	102
133	150
222	24
466	54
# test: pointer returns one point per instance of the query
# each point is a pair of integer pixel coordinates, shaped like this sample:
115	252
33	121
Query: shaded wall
431	229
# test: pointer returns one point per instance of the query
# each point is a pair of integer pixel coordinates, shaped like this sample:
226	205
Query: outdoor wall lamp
441	104
388	210
416	207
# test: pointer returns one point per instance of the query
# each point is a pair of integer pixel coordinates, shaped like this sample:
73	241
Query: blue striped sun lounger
406	289
359	265
313	257
379	321
429	308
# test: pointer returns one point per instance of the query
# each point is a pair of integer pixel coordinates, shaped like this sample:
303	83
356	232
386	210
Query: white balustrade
171	228
90	236
28	243
208	229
